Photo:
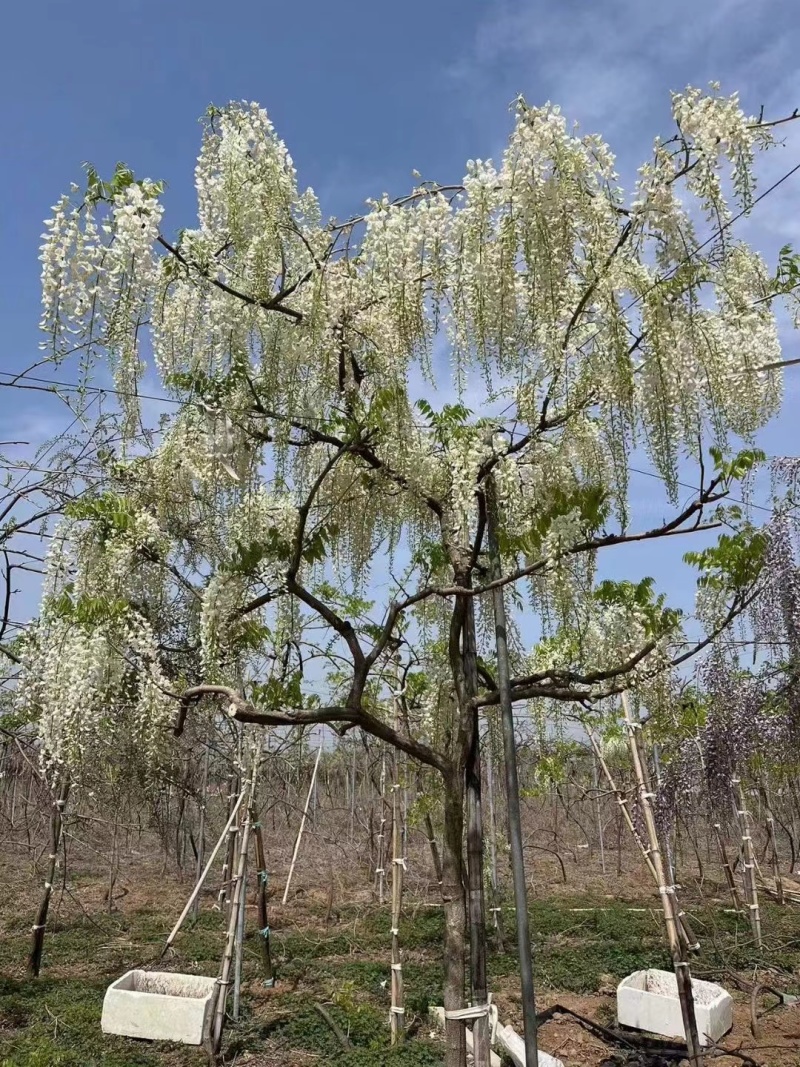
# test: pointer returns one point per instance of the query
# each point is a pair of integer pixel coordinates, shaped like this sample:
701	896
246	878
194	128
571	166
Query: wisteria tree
317	493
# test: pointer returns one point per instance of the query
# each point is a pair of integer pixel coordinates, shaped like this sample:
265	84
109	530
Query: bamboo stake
239	943
667	892
233	794
302	826
233	918
749	858
688	939
622	803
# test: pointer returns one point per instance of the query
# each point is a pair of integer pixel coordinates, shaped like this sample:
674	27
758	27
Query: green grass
55	1020
56	1023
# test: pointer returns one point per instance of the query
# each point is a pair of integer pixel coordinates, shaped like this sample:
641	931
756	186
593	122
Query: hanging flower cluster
293	351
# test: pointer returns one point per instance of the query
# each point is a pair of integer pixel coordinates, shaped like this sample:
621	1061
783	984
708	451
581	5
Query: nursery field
345	661
330	947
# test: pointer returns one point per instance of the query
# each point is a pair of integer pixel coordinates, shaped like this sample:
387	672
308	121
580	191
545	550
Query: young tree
301	471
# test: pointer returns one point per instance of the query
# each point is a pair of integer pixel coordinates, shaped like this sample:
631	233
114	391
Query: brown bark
454	918
472	778
56	826
261	901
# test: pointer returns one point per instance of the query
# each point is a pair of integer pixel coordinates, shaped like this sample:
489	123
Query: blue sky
362	93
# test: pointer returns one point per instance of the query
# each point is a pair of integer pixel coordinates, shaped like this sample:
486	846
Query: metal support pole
512	787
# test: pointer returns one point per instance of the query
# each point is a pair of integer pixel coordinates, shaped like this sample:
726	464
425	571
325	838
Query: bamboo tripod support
727	868
685	933
666	891
204	875
302	826
748	858
237	905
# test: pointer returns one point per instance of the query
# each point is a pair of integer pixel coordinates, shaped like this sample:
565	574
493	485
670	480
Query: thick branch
275	303
243	711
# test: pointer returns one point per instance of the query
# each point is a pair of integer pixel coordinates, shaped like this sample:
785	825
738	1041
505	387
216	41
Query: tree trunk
261	898
472	778
56	826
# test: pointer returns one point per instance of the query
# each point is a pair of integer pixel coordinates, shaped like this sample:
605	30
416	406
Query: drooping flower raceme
293	353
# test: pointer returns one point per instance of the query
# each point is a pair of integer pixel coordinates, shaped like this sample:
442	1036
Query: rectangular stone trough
159	1006
648	1000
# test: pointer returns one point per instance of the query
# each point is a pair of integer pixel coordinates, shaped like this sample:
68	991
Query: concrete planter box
648	1000
159	1006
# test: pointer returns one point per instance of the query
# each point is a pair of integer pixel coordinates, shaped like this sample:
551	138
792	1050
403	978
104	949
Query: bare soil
331	946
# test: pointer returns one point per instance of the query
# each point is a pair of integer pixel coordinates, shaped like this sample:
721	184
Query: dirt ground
331	947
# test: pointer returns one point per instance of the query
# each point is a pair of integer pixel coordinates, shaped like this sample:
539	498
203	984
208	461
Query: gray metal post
512	787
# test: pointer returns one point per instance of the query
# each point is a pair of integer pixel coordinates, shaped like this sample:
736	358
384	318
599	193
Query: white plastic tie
753	907
397	1011
402	862
478	1011
394	932
397	966
648	796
